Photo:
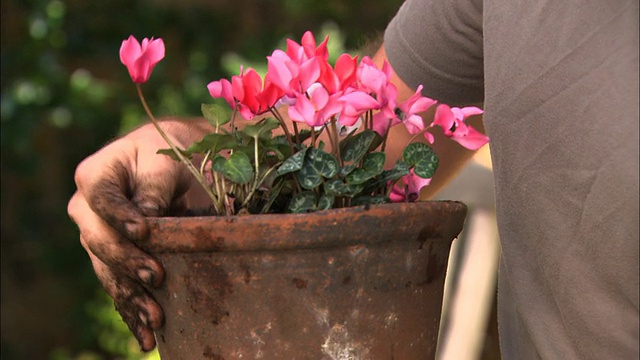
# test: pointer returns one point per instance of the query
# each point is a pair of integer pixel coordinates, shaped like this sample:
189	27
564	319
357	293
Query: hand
117	187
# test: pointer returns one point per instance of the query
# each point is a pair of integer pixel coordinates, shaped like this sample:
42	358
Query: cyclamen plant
331	155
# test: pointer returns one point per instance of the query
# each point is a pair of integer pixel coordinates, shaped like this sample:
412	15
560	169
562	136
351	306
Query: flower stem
178	153
284	127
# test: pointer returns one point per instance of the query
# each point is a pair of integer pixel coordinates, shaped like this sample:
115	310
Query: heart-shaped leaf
237	168
261	130
422	158
317	165
372	166
303	202
325	202
215	114
353	148
337	187
294	163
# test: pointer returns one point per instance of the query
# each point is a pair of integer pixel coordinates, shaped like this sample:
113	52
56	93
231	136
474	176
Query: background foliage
64	94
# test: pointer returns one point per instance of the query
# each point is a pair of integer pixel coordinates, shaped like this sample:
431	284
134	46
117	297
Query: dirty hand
116	188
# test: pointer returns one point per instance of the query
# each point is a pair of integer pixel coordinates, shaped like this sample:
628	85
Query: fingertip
146	340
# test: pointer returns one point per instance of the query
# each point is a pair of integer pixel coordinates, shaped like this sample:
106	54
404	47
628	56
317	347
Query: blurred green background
65	94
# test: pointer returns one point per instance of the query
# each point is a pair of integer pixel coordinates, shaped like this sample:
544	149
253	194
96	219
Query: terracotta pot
353	283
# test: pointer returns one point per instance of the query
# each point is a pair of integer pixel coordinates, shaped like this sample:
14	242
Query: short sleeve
438	43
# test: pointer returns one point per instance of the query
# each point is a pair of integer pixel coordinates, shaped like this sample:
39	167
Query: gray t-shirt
559	81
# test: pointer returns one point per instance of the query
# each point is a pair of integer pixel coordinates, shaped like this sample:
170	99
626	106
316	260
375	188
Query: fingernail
143	318
146	276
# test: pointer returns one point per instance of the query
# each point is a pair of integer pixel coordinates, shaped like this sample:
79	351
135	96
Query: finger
111	247
158	182
104	180
138	309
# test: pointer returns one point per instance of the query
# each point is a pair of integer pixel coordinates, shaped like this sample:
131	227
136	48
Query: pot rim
375	223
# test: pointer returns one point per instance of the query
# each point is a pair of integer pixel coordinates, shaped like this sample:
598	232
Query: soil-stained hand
116	188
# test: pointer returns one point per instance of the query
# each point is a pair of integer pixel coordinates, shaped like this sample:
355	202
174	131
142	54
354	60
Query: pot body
354	283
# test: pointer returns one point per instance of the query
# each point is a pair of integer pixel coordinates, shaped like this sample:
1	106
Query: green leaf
353	148
422	158
215	114
303	202
370	200
170	153
317	165
214	142
293	163
237	169
347	169
399	170
337	187
372	166
325	202
262	129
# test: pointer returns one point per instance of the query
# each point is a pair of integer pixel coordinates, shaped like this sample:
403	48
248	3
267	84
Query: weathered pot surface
353	283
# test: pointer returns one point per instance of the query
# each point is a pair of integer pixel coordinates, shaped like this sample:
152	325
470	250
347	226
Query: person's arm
452	156
116	188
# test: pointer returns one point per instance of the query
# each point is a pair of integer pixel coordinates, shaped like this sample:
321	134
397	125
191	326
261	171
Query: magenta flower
252	98
140	59
451	120
408	113
411	190
341	76
246	93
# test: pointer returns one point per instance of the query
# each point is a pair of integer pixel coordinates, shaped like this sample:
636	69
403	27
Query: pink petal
319	97
414	124
154	51
422	104
309	73
130	51
359	101
444	117
302	111
278	70
470	111
222	89
472	140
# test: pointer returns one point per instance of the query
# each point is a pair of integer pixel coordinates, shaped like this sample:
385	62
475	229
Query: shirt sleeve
438	43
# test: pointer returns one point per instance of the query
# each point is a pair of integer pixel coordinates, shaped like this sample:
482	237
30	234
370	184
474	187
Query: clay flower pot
352	283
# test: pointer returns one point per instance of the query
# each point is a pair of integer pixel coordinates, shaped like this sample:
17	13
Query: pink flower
316	109
355	103
140	59
451	120
409	110
291	76
308	49
410	192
